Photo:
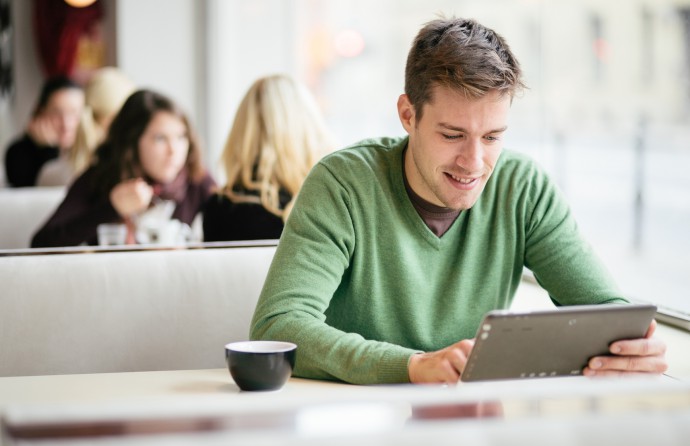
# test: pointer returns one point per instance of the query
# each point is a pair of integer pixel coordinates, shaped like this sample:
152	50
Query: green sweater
360	283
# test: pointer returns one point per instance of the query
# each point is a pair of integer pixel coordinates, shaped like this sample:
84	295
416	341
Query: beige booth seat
126	311
23	210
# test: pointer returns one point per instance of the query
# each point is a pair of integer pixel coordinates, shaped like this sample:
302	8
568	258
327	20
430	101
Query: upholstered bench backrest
126	311
23	211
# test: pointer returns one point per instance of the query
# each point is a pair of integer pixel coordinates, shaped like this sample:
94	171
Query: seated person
104	95
397	247
52	130
149	154
277	136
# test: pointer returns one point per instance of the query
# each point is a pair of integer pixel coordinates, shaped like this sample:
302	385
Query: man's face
454	147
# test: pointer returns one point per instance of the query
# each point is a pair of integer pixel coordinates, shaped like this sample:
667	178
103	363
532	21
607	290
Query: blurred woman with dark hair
104	95
150	154
52	130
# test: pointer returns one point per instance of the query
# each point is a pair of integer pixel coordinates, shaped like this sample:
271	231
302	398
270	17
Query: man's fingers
643	364
612	373
638	347
633	356
442	366
457	358
465	347
651	329
450	374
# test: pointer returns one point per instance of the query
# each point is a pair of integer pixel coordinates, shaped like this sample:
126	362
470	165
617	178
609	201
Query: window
607	111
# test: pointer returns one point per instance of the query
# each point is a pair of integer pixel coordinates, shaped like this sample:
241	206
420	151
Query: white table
205	407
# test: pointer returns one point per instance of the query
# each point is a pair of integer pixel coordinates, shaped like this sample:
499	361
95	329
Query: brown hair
117	158
52	86
462	55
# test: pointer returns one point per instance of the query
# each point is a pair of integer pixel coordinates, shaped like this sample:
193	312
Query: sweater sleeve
310	263
561	259
76	219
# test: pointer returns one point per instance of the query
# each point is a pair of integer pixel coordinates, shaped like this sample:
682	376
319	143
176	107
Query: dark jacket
77	218
225	220
24	160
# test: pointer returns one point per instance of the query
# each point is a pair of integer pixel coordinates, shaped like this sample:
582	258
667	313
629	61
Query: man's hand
442	366
635	356
131	197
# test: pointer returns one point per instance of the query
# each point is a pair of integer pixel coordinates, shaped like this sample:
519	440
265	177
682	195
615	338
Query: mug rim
265	347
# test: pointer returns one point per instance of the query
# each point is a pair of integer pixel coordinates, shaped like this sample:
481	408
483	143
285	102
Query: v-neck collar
409	208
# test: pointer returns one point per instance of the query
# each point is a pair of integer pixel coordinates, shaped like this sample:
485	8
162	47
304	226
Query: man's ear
406	113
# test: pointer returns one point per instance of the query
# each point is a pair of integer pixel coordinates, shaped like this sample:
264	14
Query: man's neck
437	218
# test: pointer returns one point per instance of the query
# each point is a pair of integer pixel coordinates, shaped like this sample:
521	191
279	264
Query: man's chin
462	204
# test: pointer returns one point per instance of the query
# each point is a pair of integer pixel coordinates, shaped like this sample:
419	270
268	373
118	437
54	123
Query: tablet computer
558	342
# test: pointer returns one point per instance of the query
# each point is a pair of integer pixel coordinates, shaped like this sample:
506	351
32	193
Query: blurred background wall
607	111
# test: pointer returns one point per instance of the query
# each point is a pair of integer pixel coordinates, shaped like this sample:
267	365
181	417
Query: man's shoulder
517	159
519	176
380	143
367	151
517	165
363	164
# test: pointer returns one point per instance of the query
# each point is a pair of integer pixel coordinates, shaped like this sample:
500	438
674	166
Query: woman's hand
43	132
131	197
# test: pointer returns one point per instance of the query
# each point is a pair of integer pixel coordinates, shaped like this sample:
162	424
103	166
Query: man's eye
492	138
451	137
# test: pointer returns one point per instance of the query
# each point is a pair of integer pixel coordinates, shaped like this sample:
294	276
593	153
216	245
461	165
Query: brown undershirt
438	219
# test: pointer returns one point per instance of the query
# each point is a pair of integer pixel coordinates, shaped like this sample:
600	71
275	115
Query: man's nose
471	155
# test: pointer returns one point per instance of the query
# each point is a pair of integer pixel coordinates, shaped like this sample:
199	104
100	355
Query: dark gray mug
260	365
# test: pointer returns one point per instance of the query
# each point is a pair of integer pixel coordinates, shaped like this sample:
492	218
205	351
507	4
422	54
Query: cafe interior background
607	111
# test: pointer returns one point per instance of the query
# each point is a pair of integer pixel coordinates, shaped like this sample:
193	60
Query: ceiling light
80	3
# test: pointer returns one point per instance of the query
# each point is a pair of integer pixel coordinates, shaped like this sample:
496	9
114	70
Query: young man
396	248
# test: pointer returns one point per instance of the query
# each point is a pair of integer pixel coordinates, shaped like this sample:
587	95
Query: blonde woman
277	136
104	95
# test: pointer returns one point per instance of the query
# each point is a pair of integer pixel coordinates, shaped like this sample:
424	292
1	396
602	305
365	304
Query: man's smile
462	183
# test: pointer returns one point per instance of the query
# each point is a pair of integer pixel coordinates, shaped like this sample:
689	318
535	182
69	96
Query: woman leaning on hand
104	95
150	151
